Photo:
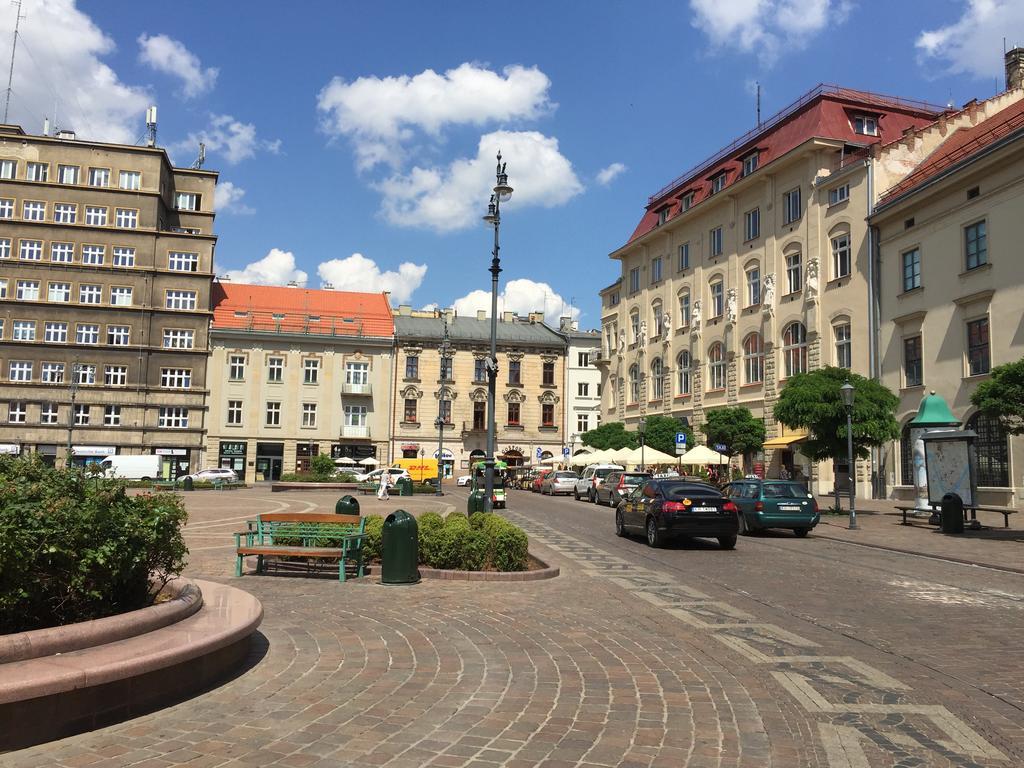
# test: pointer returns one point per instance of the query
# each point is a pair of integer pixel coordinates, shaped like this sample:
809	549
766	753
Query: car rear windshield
603	473
784	491
634	479
568	475
678	491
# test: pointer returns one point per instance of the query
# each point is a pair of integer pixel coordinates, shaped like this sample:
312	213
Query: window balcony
356	389
351	431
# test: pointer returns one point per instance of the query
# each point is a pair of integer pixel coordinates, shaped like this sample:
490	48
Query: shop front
304	452
269	461
84	455
175	462
232	456
48	453
357	451
410	450
10	449
447	461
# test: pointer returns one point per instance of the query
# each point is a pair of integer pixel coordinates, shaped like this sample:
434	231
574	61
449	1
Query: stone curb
441	574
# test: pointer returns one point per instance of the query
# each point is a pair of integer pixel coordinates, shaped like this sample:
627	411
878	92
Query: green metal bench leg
259	564
238	565
359	562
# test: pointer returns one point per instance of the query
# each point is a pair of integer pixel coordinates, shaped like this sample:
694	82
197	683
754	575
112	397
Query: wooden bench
303	535
220	485
165	485
1004	511
365	488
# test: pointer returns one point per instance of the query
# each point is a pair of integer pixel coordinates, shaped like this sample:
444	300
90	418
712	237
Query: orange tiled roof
272	309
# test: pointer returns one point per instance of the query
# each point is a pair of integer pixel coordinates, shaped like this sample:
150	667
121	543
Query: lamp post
501	193
73	388
439	423
847	392
446	374
641	428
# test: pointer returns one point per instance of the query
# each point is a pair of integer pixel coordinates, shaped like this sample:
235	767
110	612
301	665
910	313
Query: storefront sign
447	455
93	450
10	448
232	449
170	452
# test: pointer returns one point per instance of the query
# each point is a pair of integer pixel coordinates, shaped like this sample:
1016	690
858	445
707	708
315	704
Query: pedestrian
385	481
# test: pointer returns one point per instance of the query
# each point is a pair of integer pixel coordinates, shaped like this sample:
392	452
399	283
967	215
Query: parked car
464	480
617	485
214	473
374	477
661	509
774	504
559	482
591	479
538	479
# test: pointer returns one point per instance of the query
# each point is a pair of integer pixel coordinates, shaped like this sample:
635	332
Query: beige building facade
104	301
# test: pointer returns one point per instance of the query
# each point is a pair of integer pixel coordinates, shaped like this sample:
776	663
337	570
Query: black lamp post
501	193
847	392
446	375
73	388
641	428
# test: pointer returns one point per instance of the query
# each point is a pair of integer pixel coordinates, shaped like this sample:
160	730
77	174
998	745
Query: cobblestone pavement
633	657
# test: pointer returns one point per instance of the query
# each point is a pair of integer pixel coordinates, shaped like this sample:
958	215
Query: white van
591	478
132	467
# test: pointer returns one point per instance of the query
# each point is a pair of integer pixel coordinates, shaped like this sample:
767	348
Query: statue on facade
641	339
768	295
730	306
666	324
695	317
812	278
622	342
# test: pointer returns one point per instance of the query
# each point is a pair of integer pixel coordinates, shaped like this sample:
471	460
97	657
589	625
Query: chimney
405	309
481	314
536	317
46	124
1014	68
508	317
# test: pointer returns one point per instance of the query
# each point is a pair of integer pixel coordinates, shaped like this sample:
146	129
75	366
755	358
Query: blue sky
355	140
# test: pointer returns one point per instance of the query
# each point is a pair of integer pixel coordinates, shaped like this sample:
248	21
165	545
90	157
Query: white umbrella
345	460
369	461
621	456
652	456
551	460
701	454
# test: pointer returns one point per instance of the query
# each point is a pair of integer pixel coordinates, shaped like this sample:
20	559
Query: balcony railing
350	431
356	389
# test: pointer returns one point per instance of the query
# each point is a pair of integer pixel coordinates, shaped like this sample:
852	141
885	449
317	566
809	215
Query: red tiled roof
824	112
237	306
961	145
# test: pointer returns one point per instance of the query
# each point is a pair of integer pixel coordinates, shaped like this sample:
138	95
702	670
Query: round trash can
399	549
404	486
346	505
187	484
475	503
952	513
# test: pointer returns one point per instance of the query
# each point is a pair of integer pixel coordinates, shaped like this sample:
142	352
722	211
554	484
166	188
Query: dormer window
750	163
718	183
865	125
662	216
687	201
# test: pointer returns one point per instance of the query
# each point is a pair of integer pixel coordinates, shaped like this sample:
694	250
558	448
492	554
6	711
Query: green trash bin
347	505
475	503
404	486
399	549
187	484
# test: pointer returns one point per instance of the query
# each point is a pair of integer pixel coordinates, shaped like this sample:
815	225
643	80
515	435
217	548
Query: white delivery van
132	467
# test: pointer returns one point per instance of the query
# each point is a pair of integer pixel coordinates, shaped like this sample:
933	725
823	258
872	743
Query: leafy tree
736	428
660	433
612	435
1002	396
321	466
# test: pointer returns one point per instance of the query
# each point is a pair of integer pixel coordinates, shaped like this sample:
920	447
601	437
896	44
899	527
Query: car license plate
789	508
705	509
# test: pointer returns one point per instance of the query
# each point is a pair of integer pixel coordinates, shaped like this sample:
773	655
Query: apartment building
441	373
951	287
751	267
582	381
296	373
104	301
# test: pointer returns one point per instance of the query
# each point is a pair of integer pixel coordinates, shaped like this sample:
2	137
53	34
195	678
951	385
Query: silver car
559	482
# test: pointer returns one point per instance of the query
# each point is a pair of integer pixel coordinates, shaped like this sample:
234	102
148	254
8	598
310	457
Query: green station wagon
773	504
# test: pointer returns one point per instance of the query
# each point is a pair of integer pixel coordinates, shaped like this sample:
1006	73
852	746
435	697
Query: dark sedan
617	485
663	508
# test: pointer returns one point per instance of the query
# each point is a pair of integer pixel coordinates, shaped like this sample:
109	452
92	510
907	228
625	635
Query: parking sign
539	453
680	438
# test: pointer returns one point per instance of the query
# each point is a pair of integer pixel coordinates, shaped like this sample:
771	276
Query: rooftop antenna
201	159
151	126
758	84
14	47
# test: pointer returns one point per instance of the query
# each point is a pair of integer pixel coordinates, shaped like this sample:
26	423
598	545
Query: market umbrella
621	456
369	461
345	460
650	456
701	454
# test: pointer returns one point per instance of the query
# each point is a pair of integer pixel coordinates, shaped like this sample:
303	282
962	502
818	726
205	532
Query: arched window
842	255
753	275
684	309
683	373
658	325
794	272
634	326
993	455
716	366
753	359
717	298
657	383
906	456
794	349
634	383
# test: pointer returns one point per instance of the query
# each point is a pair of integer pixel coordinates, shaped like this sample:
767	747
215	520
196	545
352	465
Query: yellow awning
786	440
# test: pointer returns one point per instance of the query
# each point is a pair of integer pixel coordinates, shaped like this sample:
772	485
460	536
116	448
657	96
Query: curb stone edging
548	572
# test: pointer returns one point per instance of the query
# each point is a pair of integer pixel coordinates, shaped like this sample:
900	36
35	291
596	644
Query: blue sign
565	451
539	453
680	438
721	447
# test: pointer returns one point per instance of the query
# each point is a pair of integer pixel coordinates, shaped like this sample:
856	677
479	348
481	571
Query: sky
356	141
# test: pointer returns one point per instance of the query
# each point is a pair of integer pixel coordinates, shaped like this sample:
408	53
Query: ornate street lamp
73	388
501	193
446	374
641	428
847	392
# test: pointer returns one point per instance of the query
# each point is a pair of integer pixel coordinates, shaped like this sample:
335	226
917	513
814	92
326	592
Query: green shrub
429	524
476	549
475	543
510	548
373	529
345	477
322	467
74	547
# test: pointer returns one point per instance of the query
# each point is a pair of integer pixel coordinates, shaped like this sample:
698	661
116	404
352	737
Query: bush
373	529
321	467
429	523
74	548
510	548
477	543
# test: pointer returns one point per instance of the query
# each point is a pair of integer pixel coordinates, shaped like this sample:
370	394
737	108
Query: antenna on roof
151	126
201	159
327	286
18	16
758	84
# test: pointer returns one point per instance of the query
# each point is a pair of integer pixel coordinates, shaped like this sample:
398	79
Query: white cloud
59	60
234	140
766	26
973	44
170	56
227	198
606	175
522	296
276	268
380	115
358	273
447	199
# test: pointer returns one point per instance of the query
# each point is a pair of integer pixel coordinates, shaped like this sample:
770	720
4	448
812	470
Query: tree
660	433
612	435
1002	396
735	428
812	401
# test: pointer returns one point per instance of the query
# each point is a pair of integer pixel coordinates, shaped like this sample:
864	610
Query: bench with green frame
1004	511
366	488
302	535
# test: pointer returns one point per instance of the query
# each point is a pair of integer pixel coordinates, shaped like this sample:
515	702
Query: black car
617	485
667	507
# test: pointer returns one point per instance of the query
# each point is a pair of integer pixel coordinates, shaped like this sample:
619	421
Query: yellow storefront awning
786	440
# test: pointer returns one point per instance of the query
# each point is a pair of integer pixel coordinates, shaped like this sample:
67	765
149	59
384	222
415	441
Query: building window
120	296
513	414
3	288
716	366
65	213
686	202
657	382
37	171
717	299
126	218
84	375
129	180
838	194
56	333
410	410
658	317
906	457
412	367
978	361
662	216
62	253
112	415
355	415
794	349
582	389
19	370
750	163
684	256
794	273
866	125
684	309
236	367
515	368
8	168
718	183
753	286
753	359
683	373
355	373
96	215
479	415
186	201
634	383
31	250
32	210
179	338
791	207
27	290
311	371
181	261
273	414
275	369
81	415
715	240
547	414
6	208
5	247
180	300
548	374
844	349
87	333
634	324
634	279
90	294
913	375
582	359
173	418
24	330
992	451
119	335
840	256
176	378
234	413
582	422
93	254
911	270
752	224
48	413
975	245
99	177
309	414
115	375
480	369
17	413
